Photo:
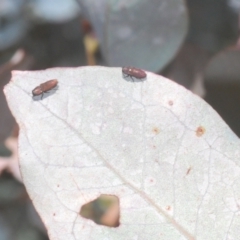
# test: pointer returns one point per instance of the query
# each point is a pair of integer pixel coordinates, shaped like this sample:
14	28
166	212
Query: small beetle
133	72
44	87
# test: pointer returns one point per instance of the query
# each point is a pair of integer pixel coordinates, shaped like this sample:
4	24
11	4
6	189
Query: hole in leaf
104	210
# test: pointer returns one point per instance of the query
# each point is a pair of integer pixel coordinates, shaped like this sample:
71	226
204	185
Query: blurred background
192	42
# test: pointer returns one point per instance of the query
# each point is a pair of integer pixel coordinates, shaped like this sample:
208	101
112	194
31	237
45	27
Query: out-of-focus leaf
163	152
12	26
11	8
235	4
54	10
144	34
12	32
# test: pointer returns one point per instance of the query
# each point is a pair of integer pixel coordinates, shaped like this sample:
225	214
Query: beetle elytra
133	72
44	87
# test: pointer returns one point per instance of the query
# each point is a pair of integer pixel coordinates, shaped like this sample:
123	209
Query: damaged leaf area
165	156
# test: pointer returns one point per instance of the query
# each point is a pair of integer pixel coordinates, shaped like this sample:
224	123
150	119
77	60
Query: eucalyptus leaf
162	151
144	34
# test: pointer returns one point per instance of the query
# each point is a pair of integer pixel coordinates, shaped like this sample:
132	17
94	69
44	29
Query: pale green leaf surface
101	134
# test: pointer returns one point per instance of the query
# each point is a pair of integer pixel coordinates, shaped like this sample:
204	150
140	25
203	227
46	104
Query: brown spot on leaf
200	131
168	208
170	102
189	170
156	130
104	210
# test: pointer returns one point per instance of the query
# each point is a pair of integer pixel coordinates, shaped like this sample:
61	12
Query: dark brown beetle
44	87
133	72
